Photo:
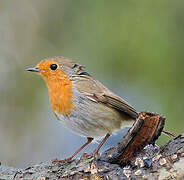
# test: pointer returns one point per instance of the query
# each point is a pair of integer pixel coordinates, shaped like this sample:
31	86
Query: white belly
92	119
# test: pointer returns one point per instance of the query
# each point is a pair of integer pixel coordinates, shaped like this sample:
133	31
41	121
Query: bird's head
53	68
57	73
57	68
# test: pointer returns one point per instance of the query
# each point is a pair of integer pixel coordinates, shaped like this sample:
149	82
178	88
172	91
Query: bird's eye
53	66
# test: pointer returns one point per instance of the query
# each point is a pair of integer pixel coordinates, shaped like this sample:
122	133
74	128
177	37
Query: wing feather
96	91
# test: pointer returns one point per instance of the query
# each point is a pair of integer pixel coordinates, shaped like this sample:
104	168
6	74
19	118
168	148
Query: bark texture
153	162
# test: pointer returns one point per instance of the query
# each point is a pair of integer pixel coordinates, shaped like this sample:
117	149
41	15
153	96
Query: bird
82	103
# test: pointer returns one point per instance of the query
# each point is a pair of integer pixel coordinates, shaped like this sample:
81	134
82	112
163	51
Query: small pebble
144	177
138	172
139	162
162	161
174	156
93	168
148	163
127	173
110	155
156	158
145	157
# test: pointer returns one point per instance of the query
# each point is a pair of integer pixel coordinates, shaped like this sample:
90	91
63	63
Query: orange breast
60	93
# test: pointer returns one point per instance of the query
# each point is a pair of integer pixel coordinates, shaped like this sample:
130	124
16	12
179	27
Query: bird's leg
89	140
168	133
100	145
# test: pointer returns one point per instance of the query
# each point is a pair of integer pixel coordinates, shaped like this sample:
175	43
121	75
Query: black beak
34	69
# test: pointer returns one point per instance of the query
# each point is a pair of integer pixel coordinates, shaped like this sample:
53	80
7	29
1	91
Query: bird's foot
86	155
61	161
95	154
89	156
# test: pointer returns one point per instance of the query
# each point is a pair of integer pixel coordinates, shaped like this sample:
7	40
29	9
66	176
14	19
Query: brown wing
96	91
121	105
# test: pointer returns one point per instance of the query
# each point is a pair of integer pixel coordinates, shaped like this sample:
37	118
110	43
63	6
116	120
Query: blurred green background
134	47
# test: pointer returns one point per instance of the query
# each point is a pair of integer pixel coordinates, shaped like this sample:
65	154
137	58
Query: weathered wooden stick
145	130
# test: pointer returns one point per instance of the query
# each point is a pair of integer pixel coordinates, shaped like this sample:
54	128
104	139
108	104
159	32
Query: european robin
82	103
